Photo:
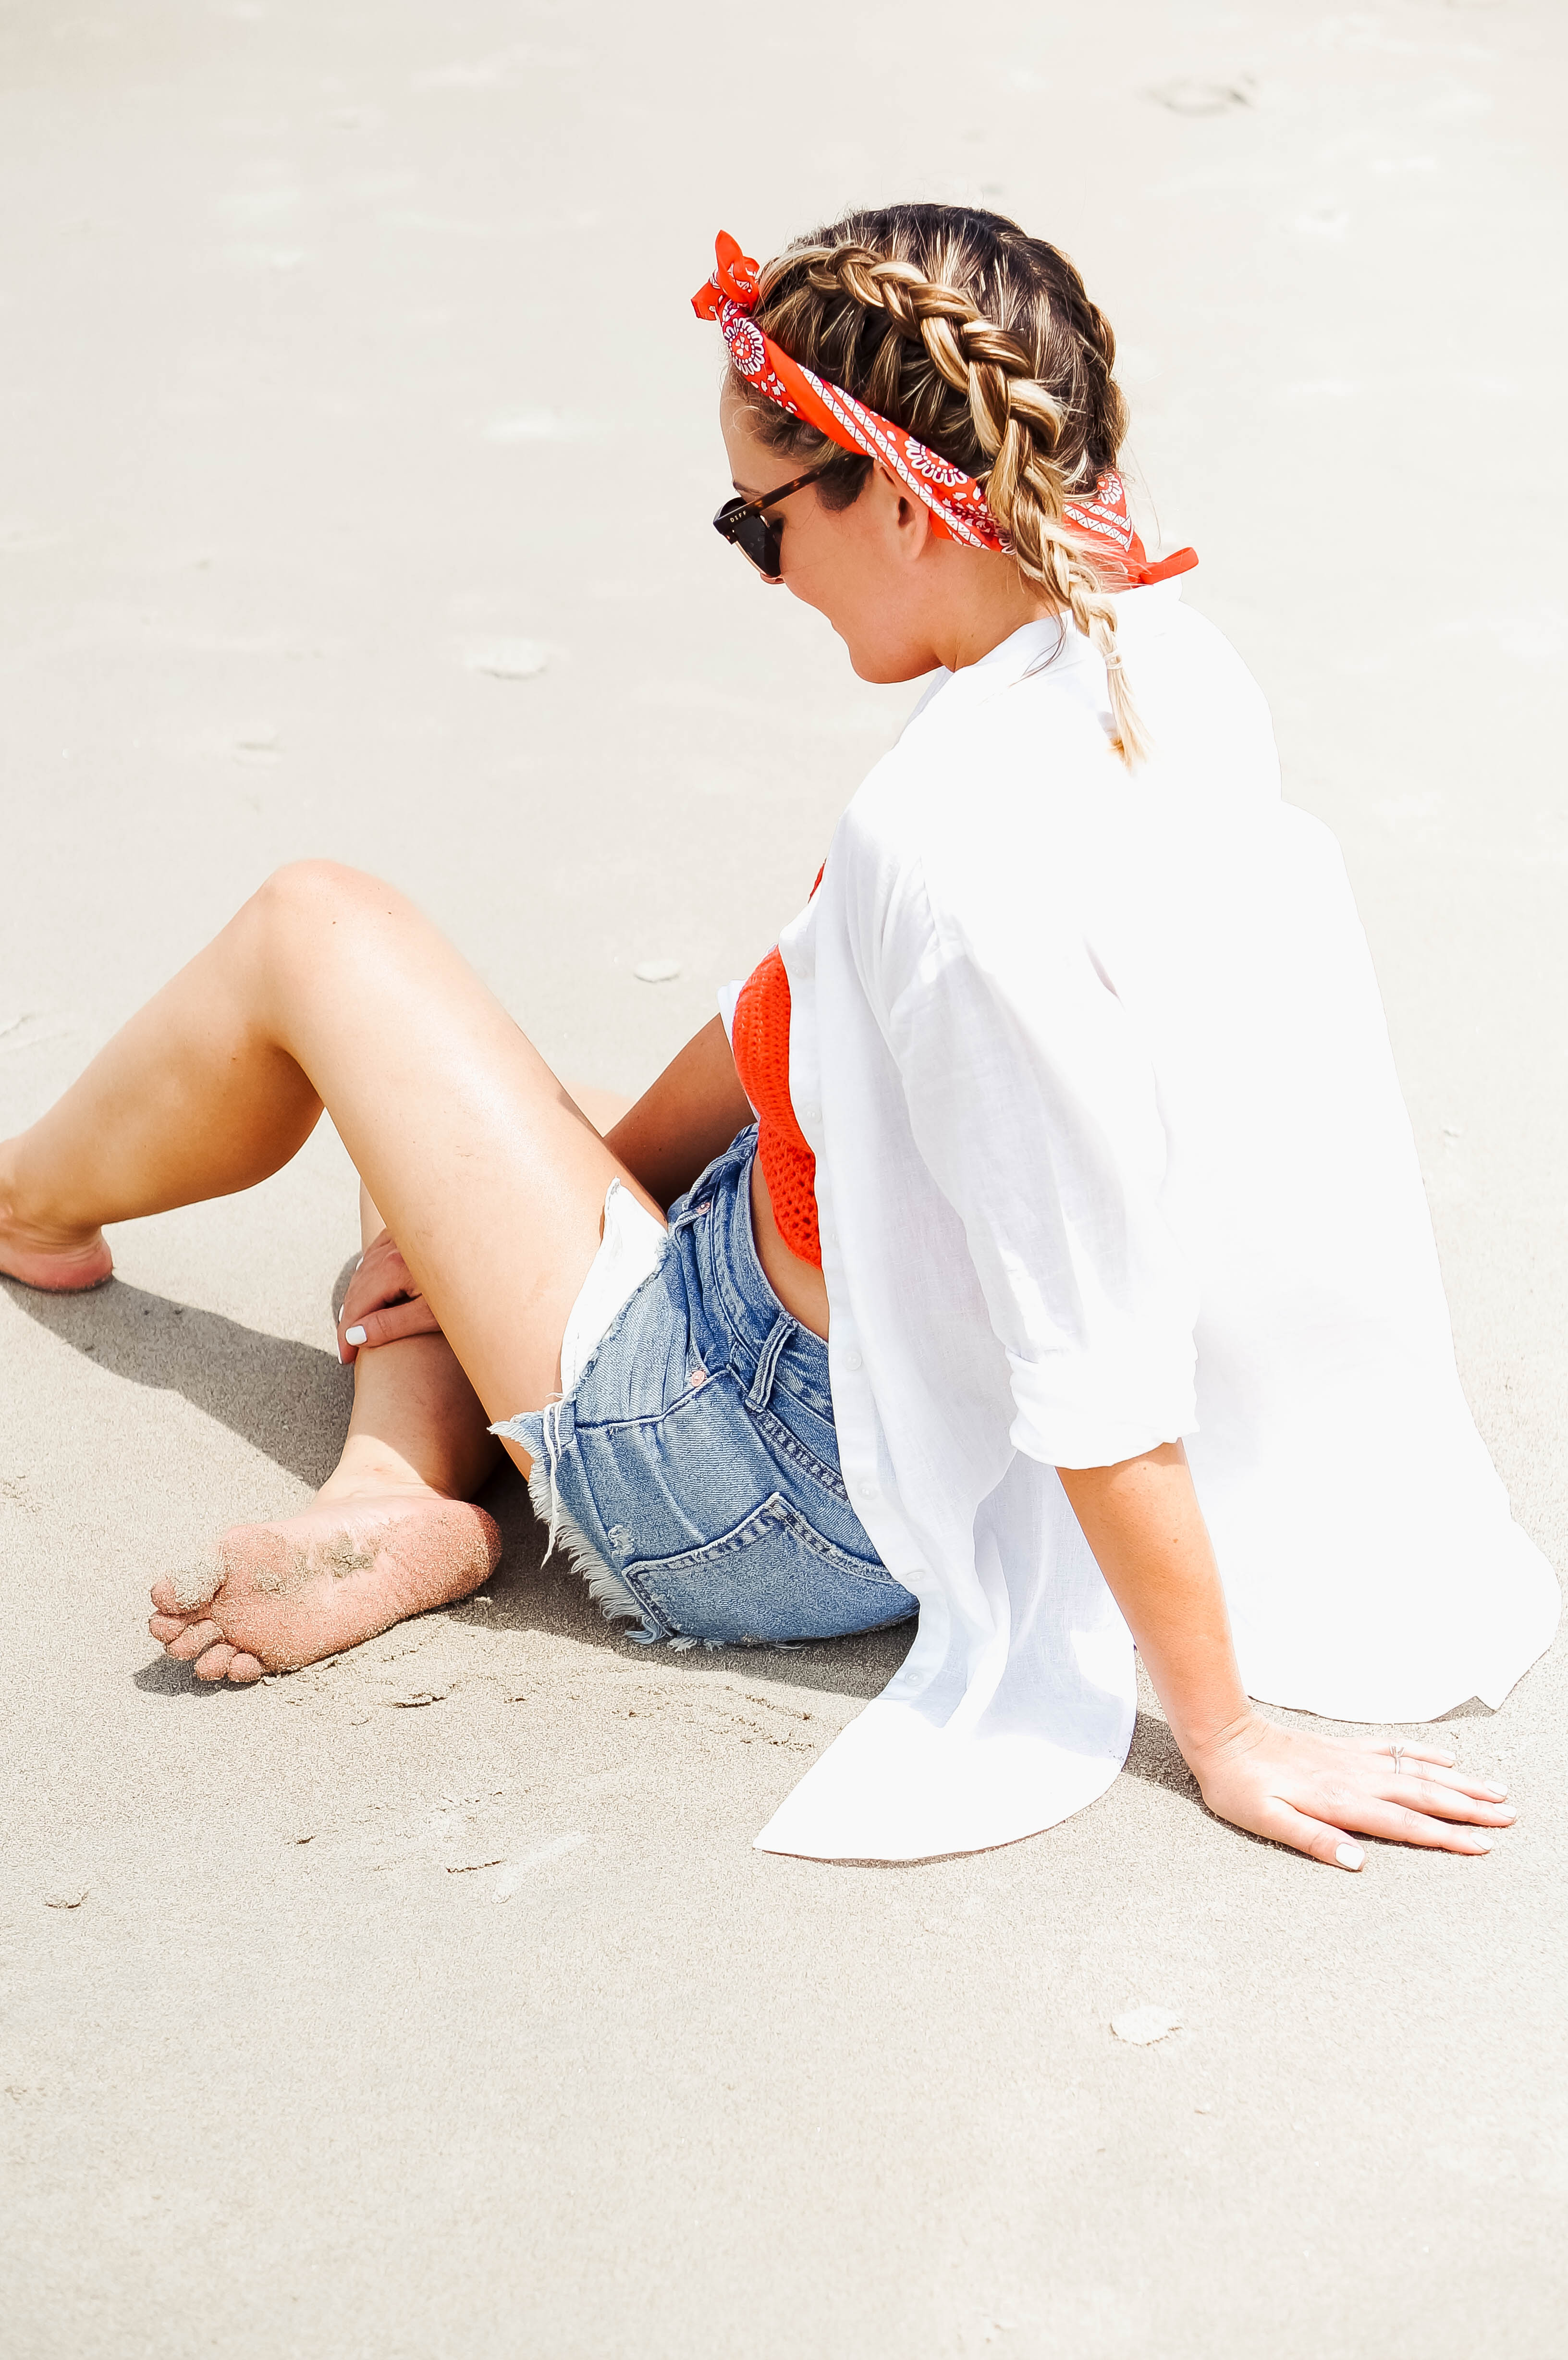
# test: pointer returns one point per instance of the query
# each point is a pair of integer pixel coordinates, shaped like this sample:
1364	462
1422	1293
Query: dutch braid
984	343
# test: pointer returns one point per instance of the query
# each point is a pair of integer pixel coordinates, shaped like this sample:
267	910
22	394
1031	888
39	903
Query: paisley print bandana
955	500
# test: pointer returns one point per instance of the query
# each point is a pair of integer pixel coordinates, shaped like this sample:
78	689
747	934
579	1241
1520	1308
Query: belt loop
761	1392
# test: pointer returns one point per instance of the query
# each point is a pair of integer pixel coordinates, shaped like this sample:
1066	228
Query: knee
316	893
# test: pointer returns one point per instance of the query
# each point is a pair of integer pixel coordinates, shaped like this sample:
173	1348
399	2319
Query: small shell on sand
1189	95
68	1896
508	659
1144	2026
656	971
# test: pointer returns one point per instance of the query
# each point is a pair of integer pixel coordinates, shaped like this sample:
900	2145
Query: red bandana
955	500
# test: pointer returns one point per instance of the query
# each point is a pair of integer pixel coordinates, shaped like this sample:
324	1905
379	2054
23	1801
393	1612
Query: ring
1398	1753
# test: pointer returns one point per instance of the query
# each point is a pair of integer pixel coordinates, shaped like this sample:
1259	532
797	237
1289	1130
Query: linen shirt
1111	1152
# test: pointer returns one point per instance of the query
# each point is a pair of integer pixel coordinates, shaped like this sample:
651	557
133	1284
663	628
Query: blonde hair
982	343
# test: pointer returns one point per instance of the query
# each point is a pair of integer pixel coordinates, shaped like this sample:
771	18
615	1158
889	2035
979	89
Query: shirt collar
1046	643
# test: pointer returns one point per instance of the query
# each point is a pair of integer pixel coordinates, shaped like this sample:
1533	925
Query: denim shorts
693	1472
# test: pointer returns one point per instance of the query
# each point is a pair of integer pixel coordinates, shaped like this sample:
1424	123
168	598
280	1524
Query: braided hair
982	343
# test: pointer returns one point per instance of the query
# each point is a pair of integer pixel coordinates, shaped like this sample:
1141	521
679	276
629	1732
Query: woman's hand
1315	1793
1141	1519
382	1302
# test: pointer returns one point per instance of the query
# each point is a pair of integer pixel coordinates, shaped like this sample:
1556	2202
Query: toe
214	1664
194	1640
165	1627
244	1669
164	1599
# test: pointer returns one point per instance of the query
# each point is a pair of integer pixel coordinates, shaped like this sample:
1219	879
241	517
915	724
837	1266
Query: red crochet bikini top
760	1039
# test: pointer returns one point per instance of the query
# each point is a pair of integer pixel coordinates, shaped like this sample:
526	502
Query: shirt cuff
1104	1419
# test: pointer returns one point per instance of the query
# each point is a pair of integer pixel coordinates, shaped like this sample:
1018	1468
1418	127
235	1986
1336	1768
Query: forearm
1143	1523
689	1116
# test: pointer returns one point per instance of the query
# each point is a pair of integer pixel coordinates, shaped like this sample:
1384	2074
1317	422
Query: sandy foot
283	1594
56	1267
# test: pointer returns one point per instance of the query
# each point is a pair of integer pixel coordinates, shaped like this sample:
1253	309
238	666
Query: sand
357	461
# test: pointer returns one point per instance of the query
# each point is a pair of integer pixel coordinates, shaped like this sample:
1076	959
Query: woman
1078	1135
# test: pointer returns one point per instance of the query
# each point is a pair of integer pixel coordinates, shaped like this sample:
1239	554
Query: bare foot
58	1262
283	1594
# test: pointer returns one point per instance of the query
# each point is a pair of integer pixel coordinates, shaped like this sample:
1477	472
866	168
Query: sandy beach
358	455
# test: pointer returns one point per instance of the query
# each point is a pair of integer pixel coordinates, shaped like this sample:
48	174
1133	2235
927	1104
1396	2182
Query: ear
906	520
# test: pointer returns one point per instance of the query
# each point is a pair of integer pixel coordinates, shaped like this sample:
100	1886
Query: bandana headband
956	502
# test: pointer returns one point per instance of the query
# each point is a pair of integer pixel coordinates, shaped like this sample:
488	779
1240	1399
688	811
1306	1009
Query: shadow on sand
288	1401
530	1594
291	1401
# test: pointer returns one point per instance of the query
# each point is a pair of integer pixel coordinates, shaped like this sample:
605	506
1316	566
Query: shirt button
868	1490
853	1360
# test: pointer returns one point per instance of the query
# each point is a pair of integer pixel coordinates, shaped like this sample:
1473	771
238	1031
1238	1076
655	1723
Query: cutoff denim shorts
692	1471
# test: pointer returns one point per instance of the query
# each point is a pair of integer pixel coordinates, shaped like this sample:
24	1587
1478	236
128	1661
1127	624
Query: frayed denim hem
609	1592
605	1587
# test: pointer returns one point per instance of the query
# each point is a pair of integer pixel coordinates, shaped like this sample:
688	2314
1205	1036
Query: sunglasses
742	524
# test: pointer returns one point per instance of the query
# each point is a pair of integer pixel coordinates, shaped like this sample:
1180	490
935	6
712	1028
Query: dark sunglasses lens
760	541
752	535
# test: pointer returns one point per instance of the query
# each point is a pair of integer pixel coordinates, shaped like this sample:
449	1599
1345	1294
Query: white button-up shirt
1110	1151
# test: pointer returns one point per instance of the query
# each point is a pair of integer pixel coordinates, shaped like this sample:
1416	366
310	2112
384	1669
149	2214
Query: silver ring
1398	1753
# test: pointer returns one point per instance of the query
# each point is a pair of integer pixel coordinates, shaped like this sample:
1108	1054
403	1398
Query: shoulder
1005	802
1213	731
988	783
972	761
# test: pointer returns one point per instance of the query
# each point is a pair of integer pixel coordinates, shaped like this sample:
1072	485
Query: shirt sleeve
1032	1100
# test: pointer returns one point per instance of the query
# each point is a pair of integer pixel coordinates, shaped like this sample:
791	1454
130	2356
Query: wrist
1205	1745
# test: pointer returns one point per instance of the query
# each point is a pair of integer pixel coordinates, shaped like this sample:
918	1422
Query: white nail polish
353	1335
1349	1855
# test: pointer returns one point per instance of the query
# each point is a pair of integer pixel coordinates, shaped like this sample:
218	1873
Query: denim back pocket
771	1578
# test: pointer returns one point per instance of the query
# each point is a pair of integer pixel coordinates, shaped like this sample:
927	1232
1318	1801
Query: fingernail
1482	1843
1498	1791
1349	1855
353	1335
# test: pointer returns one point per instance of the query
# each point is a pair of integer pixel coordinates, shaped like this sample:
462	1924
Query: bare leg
330	988
416	1418
389	1533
